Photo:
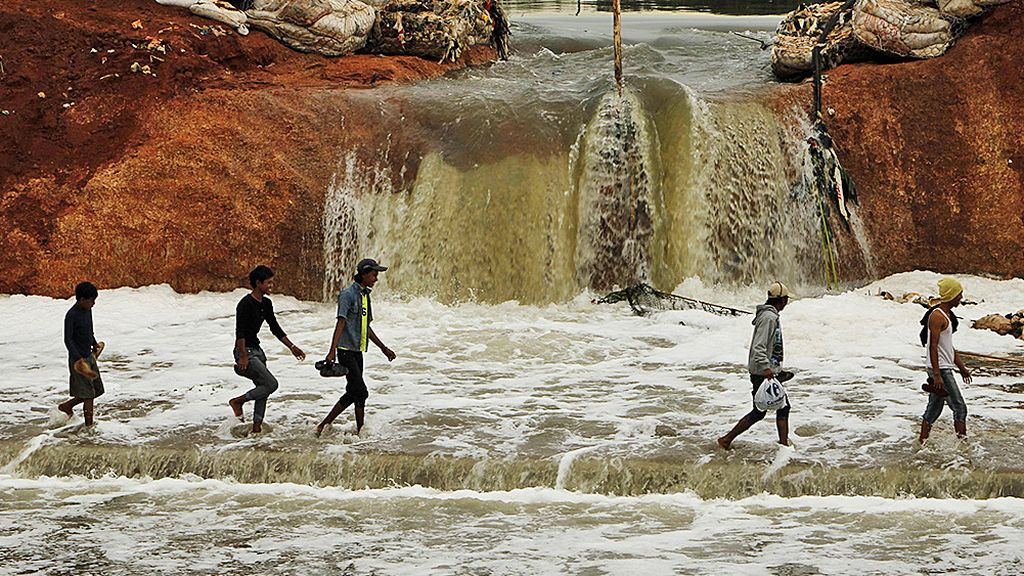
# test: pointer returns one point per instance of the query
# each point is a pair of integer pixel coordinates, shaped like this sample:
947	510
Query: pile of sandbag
799	32
439	29
328	27
906	28
1012	324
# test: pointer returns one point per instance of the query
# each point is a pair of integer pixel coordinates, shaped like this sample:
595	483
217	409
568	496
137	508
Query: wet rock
665	431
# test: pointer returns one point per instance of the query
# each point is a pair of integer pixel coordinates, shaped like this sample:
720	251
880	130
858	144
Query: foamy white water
118	526
569	404
524	381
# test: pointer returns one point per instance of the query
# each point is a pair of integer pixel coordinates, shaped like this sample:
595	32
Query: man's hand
98	349
767	373
83	368
298	353
966	375
243	362
389	353
332	355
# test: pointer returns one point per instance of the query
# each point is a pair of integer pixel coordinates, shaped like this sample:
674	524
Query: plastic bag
770	395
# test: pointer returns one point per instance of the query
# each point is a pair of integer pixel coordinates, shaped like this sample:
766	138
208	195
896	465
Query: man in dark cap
350	337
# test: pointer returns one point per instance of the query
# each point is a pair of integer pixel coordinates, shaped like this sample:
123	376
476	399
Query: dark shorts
80	386
355	387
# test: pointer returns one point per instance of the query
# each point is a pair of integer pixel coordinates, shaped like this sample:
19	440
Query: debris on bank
1012	324
863	29
439	29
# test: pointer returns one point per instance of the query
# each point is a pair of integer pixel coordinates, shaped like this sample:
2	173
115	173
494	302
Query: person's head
367	272
951	292
85	294
260	279
778	295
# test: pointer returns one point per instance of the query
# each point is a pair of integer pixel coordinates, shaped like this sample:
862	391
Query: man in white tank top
942	359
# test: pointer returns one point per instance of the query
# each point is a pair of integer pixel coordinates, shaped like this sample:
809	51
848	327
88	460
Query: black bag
924	323
330	369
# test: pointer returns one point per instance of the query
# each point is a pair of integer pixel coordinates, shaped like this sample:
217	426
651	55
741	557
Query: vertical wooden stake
617	41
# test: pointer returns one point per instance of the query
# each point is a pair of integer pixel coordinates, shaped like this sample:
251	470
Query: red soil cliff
214	161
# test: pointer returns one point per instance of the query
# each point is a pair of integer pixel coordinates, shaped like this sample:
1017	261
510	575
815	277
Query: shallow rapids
497	397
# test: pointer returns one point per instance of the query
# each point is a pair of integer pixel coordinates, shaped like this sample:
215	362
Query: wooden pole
617	41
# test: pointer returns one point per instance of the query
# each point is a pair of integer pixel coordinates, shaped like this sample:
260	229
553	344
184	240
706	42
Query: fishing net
644	299
439	29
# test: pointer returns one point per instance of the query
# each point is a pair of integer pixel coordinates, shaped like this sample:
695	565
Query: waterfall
656	185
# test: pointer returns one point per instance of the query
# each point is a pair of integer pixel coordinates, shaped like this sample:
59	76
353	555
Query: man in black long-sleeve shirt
85	383
250	361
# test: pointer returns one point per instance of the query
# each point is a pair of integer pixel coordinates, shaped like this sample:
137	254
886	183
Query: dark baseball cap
367	264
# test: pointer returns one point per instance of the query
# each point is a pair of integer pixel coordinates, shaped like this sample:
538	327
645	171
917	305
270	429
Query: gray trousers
955	399
261	377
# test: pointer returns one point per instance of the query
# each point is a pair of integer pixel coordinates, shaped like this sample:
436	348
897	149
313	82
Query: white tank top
945	346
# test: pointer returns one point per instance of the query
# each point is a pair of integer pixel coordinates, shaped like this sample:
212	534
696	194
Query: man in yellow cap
940	323
765	361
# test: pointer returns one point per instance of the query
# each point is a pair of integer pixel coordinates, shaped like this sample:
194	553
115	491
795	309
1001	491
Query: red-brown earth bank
936	148
214	162
220	159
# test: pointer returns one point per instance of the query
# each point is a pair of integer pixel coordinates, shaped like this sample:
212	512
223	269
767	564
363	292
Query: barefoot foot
236	407
724	443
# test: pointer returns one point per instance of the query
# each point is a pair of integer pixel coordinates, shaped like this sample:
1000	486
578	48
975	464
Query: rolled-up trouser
261	377
355	388
756	415
954	398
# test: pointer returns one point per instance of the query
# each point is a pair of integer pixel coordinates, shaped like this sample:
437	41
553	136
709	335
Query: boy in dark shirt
85	383
250	361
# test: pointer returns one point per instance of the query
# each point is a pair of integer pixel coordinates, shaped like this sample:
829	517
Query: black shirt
78	336
249	316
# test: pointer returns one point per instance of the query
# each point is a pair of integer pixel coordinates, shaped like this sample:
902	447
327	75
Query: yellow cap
777	290
949	288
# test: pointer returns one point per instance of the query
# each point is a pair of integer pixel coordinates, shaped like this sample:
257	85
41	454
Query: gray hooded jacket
766	344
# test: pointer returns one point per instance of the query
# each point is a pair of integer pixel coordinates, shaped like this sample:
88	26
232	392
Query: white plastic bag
770	395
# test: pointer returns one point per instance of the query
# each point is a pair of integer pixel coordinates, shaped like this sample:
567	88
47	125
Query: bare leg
87	409
67	406
360	408
926	429
338	408
783	427
726	441
236	407
961	428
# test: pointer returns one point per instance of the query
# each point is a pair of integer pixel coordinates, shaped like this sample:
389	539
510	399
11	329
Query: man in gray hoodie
765	361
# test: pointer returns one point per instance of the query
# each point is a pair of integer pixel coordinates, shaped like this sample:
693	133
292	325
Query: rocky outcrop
936	148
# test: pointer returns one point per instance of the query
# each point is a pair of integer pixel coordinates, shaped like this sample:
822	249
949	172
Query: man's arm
387	351
338	329
965	373
243	356
69	338
936	324
295	350
763	334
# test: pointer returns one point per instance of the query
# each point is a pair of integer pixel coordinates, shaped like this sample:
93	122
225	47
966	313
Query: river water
509	439
524	429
